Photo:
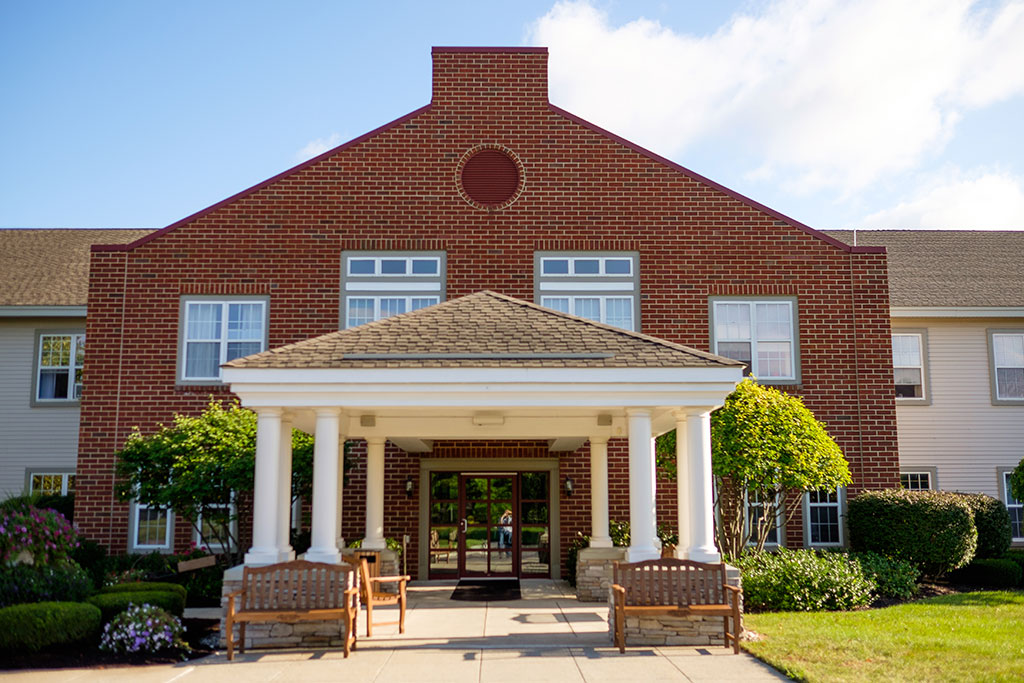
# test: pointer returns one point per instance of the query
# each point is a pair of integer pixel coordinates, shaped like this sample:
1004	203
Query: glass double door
489	524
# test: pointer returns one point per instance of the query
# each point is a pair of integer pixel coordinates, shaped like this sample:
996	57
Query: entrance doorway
489	524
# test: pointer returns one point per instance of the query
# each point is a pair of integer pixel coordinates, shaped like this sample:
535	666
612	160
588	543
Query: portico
484	367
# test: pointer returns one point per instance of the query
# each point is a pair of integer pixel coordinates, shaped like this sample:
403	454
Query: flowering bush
44	534
142	628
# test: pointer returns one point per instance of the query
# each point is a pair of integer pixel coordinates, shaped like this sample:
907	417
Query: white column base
261	556
704	554
637	554
330	556
285	555
601	542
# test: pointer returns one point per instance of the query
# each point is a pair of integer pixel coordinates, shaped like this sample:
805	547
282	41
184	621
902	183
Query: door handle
463	525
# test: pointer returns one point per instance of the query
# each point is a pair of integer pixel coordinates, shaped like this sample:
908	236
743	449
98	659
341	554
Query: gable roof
50	267
483	330
950	267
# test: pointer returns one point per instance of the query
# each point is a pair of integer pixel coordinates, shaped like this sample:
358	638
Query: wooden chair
373	596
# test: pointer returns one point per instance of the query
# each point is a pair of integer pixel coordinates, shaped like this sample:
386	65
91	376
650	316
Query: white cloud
982	200
830	93
318	146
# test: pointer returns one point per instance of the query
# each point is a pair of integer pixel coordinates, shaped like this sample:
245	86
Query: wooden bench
293	592
675	588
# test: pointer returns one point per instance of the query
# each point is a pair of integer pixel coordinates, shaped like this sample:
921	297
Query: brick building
488	187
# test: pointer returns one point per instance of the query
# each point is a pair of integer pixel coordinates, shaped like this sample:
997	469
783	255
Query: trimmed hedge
803	581
33	626
112	604
1016	555
993	523
932	530
146	587
63	582
893	578
993	573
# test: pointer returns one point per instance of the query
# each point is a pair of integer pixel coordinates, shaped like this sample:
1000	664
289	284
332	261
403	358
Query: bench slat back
669	581
297	585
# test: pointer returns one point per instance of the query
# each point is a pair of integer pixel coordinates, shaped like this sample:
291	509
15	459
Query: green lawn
963	637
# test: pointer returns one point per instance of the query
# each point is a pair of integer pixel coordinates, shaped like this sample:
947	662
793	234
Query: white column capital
327	411
639	411
376	440
268	411
598	440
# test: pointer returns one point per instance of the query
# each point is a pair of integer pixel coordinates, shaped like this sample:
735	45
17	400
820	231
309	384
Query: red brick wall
395	190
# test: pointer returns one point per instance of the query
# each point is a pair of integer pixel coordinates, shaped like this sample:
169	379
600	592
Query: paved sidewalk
546	636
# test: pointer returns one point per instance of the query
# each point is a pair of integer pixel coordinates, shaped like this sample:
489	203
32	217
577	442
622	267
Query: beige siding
43	438
961	433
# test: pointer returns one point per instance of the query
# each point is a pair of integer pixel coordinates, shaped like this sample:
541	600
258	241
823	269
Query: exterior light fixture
408	486
570	486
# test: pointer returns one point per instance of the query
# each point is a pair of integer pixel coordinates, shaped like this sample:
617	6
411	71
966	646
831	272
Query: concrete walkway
546	636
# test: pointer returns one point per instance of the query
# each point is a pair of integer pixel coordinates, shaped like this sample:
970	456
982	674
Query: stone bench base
670	630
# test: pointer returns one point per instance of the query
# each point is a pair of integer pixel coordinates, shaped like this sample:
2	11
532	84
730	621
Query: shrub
1016	555
31	627
995	573
142	628
65	505
803	581
930	529
146	587
893	578
993	523
44	534
92	557
112	604
63	582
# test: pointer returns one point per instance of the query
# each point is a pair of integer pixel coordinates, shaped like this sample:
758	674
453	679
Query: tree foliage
202	468
766	447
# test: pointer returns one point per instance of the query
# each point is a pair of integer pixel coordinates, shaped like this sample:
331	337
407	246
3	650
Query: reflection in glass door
488	525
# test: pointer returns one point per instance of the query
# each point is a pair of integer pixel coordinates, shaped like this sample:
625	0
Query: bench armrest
389	579
618	589
734	589
235	594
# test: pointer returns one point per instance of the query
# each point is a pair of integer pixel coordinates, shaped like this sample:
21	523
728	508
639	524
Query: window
1007	353
52	484
822	509
916	481
603	287
378	285
755	511
1015	508
217	527
152	528
908	351
217	331
59	367
758	333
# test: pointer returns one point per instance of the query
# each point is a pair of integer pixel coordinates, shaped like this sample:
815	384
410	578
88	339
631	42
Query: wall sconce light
570	486
408	486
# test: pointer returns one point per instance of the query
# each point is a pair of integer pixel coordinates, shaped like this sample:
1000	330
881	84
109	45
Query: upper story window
378	285
59	367
908	363
603	287
215	331
760	333
1007	354
52	483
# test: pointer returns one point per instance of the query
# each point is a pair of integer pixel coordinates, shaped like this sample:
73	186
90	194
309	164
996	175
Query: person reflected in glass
505	539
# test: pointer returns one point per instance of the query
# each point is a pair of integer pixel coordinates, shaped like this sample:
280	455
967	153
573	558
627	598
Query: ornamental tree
769	448
203	468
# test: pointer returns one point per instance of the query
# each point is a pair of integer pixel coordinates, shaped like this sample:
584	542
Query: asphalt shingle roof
51	267
483	330
949	267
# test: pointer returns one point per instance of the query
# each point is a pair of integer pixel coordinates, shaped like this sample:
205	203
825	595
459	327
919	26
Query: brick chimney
468	74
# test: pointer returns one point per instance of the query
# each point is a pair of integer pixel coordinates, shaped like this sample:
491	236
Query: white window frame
377	260
754	339
66	483
922	349
917	473
1010	502
222	340
752	529
602	285
435	299
134	530
839	505
77	341
994	367
217	547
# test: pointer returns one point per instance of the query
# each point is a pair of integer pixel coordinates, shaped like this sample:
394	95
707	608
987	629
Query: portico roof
484	330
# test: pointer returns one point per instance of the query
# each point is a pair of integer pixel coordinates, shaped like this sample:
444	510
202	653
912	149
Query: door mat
487	590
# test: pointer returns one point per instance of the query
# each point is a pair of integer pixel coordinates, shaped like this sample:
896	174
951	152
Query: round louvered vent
490	177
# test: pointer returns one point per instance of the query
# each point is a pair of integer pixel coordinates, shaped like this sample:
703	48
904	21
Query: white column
284	491
374	494
682	486
599	537
702	531
324	547
264	503
341	482
643	521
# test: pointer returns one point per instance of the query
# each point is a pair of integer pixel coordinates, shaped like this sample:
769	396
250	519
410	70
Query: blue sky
867	113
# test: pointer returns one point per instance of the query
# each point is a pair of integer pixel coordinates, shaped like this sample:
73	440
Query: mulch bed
197	632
